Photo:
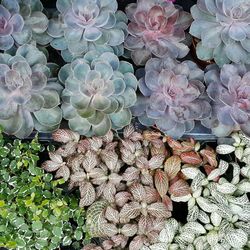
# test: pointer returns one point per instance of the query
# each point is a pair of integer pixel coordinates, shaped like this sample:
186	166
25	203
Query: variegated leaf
147	178
193	214
120	240
128	131
184	198
122	198
55	157
129	145
190	173
107	244
156	161
151	135
244	186
138	191
209	155
87	192
131	174
215	219
127	156
129	230
98	176
109	229
239	200
237	238
95	143
223	166
226	188
109	192
63	172
91	247
112	215
206	205
157	224
214	174
167	202
179	188
115	178
142	162
161	182
168	233
151	194
194	227
108	137
172	166
212	238
158	210
224	211
67	149
143	224
129	211
51	166
239	151
225	149
159	246
185	238
203	217
191	158
137	243
78	177
175	145
90	161
110	158
197	181
65	135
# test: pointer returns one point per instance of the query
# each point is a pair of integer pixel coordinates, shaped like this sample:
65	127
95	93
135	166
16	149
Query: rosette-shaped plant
156	28
98	93
223	28
23	22
29	97
229	90
173	96
10	25
83	25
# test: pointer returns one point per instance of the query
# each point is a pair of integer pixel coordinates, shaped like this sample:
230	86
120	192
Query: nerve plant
23	21
34	212
86	25
29	93
229	91
127	180
223	28
156	28
99	91
173	96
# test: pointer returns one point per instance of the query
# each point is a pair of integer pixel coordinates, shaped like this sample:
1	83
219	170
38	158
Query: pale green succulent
84	25
29	96
99	90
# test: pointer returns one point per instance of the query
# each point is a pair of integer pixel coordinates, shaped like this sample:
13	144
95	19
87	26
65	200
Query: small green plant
34	214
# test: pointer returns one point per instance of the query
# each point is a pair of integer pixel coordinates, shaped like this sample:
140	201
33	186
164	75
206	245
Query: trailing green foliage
34	214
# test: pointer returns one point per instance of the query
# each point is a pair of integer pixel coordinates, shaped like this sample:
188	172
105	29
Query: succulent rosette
229	90
83	25
156	28
29	96
23	21
99	90
224	30
173	96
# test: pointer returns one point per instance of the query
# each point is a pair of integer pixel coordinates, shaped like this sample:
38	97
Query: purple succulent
229	90
173	96
10	24
156	28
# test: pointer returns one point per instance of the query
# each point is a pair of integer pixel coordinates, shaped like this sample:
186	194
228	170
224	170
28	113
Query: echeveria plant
29	96
156	28
172	96
34	212
99	90
23	22
84	25
229	90
11	24
223	28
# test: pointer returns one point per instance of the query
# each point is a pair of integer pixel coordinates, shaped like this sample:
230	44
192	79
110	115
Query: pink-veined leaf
63	172
179	188
128	131
78	177
172	166
107	244
147	178
122	198
130	211
156	162
152	194
161	182
167	202
143	224
109	229
115	178
55	157
67	149
142	162
87	192
108	137
137	243
129	230
90	161
127	156
95	143
151	135
98	176
112	215
51	166
65	136
110	158
128	144
120	240
131	174
109	192
159	210
191	157
157	224
209	155
138	191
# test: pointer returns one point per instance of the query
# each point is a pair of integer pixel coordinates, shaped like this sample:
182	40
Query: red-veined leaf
90	161
161	182
122	198
112	215
138	191
87	192
156	162
191	158
172	166
209	156
158	210
179	188
129	211
131	174
137	243
129	230
167	202
65	136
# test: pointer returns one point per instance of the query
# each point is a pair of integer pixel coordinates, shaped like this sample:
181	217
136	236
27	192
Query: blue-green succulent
29	95
82	25
99	90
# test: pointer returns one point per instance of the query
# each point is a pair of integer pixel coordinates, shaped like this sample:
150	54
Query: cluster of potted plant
83	72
